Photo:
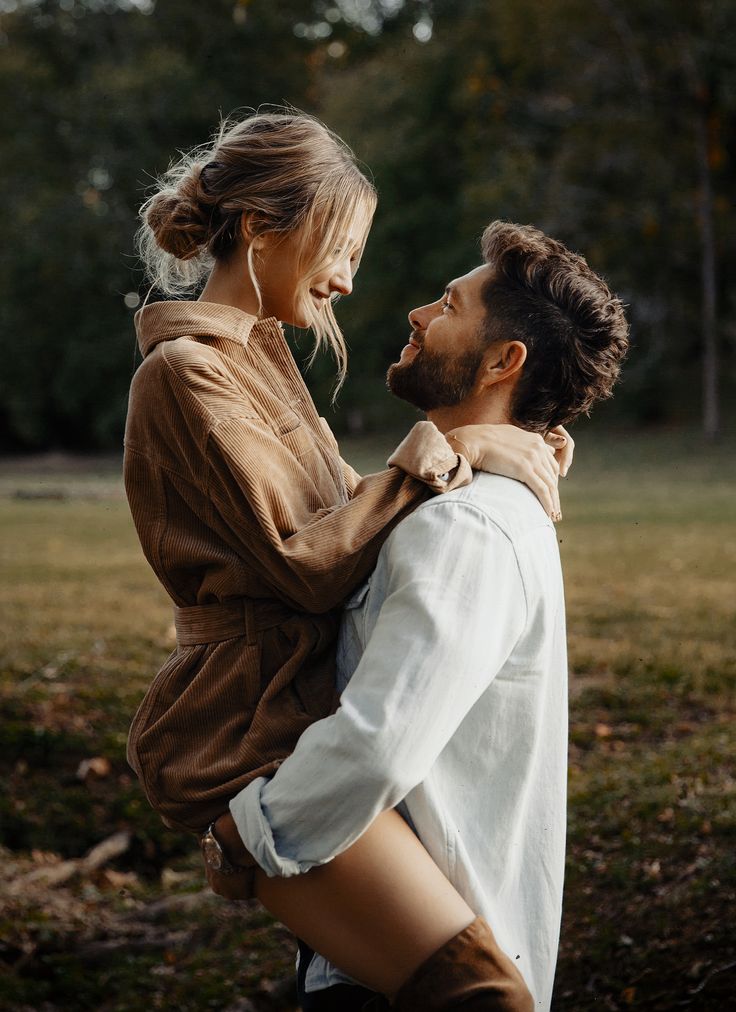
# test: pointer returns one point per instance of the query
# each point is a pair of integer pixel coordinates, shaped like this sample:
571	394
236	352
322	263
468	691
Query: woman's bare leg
377	911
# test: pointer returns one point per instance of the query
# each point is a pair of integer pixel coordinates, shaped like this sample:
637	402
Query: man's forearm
319	802
452	611
231	842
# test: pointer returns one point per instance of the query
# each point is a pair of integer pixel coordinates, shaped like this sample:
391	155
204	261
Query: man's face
439	365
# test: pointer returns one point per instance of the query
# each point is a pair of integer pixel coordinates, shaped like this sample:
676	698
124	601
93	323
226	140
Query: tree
610	125
104	95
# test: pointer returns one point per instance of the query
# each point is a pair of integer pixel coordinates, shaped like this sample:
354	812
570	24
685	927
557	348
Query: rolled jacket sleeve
453	610
425	454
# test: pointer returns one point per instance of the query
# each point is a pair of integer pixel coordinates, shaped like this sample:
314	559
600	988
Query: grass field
649	548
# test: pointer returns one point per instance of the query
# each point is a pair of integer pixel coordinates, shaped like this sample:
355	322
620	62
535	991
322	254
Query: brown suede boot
470	973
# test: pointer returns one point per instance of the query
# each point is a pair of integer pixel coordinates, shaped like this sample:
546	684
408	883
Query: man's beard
433	379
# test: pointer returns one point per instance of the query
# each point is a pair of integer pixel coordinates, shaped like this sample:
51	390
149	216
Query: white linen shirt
453	664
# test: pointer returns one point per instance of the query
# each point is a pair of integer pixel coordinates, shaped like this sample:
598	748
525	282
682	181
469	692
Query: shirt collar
165	321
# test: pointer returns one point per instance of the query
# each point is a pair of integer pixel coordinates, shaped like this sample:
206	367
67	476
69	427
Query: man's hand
515	453
239	884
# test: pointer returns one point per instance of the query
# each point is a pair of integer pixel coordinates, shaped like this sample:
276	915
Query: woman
258	530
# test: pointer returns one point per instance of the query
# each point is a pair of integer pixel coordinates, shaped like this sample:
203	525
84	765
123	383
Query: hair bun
179	218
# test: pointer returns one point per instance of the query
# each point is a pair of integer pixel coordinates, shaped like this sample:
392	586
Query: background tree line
609	123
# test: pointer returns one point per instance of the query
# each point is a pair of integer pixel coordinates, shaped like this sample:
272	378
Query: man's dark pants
339	997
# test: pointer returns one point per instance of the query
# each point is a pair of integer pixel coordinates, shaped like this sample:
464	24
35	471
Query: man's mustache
417	336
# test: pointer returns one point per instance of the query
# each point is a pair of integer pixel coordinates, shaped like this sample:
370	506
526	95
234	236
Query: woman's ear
250	237
502	360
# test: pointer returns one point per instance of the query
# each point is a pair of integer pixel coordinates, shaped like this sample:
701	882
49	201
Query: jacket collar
164	321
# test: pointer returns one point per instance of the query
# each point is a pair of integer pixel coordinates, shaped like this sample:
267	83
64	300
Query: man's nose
420	317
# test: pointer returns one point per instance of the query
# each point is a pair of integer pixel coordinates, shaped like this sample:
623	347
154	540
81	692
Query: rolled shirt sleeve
453	611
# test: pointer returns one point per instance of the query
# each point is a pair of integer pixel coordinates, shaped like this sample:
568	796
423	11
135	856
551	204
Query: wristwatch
214	856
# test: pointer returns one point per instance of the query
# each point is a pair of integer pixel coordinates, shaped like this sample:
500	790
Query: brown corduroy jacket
257	530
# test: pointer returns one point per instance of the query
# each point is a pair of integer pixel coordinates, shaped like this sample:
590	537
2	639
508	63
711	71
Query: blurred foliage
598	121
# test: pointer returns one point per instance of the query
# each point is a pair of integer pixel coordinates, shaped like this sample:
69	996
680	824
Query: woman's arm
270	498
316	556
503	449
272	494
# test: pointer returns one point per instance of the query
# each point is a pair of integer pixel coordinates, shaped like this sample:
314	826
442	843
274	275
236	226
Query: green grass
649	549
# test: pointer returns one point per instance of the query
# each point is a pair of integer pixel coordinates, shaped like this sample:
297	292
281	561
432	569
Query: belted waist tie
212	623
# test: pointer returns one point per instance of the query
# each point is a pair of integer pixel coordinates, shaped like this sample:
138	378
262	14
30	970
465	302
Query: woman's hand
516	453
564	447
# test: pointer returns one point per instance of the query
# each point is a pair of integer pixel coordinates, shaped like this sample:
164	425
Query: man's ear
501	361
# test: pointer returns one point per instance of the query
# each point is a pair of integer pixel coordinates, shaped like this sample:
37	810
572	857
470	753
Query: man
452	658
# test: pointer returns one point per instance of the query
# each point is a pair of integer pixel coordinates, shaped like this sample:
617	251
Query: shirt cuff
256	833
426	455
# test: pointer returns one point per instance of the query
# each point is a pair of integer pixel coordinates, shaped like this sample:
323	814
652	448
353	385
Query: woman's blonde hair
288	173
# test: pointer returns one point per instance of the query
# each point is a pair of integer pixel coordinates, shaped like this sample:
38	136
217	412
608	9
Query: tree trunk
711	405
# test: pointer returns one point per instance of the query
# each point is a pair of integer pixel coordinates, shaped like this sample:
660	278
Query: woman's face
281	281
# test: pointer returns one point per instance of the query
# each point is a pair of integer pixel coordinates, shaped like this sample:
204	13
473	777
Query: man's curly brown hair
573	326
